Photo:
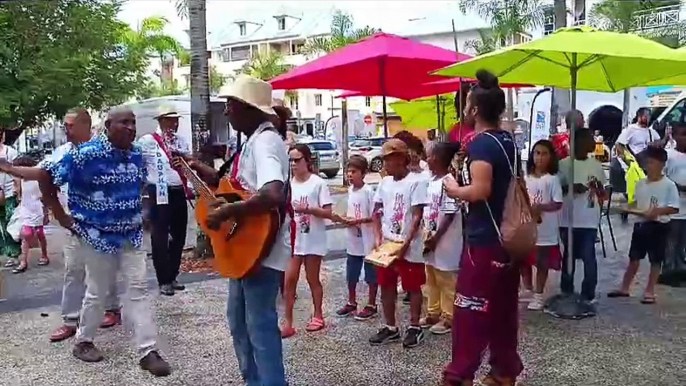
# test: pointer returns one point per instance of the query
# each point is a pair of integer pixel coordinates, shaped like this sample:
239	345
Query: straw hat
251	91
167	112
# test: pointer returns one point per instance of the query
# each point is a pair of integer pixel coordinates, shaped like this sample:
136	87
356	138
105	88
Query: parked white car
370	148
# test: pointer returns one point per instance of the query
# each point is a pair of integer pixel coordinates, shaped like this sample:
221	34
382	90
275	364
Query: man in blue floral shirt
105	177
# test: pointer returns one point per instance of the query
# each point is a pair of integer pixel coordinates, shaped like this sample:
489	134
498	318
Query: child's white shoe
536	303
526	296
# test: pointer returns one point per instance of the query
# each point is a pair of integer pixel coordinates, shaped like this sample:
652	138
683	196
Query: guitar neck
199	185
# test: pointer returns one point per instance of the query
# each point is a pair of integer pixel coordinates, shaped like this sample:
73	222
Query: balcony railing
661	17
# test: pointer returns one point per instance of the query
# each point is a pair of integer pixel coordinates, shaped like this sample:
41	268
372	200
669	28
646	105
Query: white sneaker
440	328
526	296
536	303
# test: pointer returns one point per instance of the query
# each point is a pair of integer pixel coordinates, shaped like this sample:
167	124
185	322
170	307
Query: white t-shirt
30	207
10	154
656	194
310	236
544	190
637	138
675	170
264	160
398	199
585	206
360	205
446	256
153	155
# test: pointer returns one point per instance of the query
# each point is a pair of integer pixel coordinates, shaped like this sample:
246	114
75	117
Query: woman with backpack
486	303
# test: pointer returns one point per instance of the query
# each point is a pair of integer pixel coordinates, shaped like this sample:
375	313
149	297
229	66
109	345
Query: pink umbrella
440	87
381	64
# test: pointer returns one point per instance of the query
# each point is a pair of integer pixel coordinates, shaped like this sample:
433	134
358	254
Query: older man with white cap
168	190
260	167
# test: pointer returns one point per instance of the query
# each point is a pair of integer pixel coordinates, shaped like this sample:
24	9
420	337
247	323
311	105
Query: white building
286	31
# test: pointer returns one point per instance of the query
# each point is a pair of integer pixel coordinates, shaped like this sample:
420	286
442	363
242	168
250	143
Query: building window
226	55
548	20
368	101
317	99
240	53
242	28
281	21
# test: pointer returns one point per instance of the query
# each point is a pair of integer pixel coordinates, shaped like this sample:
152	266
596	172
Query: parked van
675	113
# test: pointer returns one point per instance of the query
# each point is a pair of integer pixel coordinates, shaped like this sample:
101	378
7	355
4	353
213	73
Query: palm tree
265	65
342	33
487	42
150	40
620	16
509	20
196	13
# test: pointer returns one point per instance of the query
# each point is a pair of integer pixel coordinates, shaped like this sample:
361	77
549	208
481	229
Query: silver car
328	157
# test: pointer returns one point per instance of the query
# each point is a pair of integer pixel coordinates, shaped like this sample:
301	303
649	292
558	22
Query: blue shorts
353	268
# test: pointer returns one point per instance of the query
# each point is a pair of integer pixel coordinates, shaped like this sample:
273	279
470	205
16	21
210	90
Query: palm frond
316	46
153	24
265	65
341	23
181	8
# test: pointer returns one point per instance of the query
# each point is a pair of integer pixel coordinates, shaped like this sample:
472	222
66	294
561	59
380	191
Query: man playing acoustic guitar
261	168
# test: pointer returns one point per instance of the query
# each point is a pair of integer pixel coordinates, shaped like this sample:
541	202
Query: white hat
252	91
167	112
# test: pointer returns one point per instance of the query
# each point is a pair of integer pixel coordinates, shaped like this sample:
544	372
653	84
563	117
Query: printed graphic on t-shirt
357	209
398	214
537	198
653	202
304	219
432	219
466	180
592	193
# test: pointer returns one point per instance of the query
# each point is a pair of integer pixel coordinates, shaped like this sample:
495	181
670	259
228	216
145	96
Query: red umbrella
381	64
440	87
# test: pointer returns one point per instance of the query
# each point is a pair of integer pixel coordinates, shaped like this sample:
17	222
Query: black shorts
649	238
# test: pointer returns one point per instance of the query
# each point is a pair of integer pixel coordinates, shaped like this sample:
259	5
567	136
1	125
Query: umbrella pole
569	264
385	118
438	114
382	81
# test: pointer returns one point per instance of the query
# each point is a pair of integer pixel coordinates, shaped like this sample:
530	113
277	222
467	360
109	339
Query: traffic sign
367	119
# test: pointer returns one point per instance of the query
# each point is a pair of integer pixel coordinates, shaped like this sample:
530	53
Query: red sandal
315	324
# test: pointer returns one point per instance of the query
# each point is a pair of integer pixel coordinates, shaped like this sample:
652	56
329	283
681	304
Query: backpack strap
512	171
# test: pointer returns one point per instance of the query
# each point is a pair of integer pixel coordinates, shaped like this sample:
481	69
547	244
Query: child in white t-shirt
443	242
657	198
401	198
674	267
584	202
545	194
312	205
33	215
360	239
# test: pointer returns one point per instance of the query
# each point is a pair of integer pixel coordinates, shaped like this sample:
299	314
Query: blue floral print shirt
104	193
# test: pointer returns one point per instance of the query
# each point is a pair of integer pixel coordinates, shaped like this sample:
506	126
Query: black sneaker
154	364
385	335
413	337
367	313
347	310
406	299
178	286
87	352
167	290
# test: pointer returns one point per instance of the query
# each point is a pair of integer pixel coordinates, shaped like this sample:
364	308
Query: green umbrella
420	114
580	58
679	80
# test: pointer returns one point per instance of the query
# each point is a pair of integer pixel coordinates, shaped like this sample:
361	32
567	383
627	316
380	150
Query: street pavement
626	344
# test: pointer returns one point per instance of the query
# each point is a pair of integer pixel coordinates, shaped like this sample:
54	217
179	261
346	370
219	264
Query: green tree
166	87
621	16
342	34
150	40
487	42
265	65
509	19
217	80
59	54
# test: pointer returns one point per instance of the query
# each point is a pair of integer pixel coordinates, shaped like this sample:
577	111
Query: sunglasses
295	160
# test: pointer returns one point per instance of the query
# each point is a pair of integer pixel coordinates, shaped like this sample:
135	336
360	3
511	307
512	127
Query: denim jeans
254	325
353	268
584	250
75	285
101	271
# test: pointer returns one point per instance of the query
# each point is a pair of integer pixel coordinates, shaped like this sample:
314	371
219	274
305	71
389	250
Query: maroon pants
485	315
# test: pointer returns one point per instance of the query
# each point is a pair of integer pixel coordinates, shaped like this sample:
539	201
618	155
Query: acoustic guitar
240	244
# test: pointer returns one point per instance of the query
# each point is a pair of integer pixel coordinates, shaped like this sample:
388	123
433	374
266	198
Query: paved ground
626	344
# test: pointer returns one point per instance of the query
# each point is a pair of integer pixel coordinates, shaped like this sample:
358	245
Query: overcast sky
377	13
